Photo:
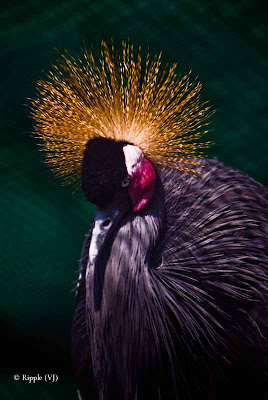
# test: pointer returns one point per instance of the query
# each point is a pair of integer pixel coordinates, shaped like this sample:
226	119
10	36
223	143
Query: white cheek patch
133	158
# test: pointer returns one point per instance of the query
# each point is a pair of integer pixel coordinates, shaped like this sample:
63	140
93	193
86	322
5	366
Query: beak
105	221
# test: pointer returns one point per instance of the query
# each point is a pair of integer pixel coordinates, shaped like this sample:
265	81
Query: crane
171	299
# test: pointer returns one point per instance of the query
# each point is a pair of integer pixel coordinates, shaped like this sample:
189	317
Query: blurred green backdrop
43	224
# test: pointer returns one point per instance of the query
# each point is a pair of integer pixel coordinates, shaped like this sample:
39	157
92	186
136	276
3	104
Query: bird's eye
125	182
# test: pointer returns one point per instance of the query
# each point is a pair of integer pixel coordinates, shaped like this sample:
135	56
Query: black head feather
103	170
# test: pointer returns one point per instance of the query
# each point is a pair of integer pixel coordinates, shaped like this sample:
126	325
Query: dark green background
43	224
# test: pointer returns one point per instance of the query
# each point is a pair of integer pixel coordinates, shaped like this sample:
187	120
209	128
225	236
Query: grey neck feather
119	288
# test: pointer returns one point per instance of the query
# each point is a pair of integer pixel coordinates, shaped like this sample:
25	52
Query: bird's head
113	171
113	118
118	179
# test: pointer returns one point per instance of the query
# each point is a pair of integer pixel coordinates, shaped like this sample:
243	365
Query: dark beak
106	220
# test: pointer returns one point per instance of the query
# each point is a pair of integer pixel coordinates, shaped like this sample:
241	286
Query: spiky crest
117	98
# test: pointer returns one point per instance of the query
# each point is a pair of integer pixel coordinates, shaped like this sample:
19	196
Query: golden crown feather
117	98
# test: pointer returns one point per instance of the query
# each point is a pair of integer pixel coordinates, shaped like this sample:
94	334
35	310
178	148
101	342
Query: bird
171	298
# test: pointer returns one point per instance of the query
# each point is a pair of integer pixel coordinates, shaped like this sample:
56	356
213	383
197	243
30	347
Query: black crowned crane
171	300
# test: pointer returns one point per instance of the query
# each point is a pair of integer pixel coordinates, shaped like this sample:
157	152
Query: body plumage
184	294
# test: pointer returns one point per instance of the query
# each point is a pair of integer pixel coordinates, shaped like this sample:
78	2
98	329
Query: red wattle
142	185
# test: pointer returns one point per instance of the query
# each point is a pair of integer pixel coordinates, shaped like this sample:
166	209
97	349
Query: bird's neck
130	252
137	237
117	299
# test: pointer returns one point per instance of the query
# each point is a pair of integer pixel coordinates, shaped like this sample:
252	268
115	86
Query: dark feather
183	312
